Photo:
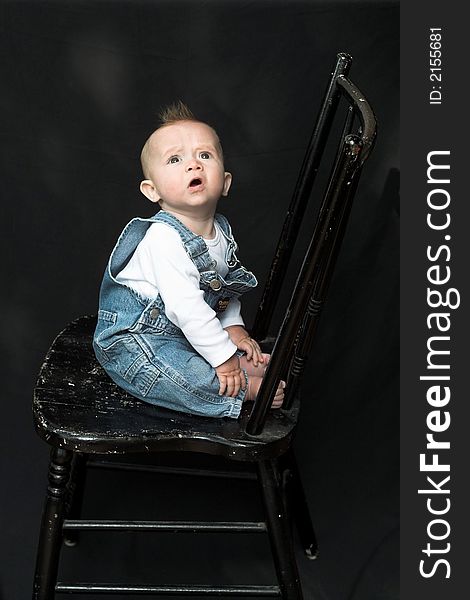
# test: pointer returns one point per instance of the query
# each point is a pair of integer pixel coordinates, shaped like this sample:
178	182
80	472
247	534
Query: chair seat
78	407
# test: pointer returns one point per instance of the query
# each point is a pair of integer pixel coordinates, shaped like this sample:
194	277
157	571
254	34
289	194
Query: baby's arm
233	324
174	276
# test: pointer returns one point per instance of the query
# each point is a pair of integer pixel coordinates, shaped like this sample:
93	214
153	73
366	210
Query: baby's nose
193	165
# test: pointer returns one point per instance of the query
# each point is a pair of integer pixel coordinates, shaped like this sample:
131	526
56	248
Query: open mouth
195	182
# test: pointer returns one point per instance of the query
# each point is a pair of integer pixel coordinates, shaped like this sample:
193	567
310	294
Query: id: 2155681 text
435	65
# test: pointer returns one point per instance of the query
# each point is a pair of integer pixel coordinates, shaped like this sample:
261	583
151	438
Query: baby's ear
227	183
149	190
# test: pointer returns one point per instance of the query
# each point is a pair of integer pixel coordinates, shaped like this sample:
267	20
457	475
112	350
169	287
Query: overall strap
224	225
194	244
232	246
128	241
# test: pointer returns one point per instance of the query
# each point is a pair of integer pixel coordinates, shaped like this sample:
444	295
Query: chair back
295	336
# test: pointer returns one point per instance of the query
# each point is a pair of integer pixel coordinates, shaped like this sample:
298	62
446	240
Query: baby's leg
254	384
251	369
255	377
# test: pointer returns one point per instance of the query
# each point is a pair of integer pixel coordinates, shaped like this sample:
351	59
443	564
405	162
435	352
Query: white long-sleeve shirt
160	265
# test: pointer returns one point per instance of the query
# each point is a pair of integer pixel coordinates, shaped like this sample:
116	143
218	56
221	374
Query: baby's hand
242	340
252	349
231	377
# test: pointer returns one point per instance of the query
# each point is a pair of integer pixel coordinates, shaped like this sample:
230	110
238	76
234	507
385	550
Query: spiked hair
178	111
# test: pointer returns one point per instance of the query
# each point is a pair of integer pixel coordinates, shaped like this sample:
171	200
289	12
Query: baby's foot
254	384
251	369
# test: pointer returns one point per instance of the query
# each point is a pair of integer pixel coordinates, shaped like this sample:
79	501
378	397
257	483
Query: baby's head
183	164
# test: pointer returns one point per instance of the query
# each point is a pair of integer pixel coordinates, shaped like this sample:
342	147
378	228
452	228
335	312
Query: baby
169	326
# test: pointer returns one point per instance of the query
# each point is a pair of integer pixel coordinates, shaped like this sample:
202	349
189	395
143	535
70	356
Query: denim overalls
142	350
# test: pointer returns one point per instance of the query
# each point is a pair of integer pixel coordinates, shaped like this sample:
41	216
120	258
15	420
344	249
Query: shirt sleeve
232	314
167	267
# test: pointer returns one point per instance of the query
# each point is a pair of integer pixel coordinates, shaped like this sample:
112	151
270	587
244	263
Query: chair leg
299	507
280	532
76	489
50	537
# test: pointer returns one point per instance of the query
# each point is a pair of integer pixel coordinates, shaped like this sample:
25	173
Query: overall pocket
126	358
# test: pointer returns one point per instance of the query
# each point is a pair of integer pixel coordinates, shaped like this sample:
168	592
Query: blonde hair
171	114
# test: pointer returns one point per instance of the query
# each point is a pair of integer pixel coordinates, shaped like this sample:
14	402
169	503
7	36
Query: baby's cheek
172	189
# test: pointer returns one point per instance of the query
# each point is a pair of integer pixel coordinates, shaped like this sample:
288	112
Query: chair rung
198	472
189	526
271	591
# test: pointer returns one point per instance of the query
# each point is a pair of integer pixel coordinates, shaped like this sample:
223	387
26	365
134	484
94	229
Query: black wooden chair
83	415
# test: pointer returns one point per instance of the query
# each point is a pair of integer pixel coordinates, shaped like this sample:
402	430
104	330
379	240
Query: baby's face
185	168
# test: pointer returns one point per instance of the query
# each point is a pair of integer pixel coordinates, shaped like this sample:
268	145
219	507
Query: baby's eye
173	159
205	155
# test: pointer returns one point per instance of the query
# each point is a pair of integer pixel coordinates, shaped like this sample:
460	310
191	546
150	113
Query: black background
82	83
